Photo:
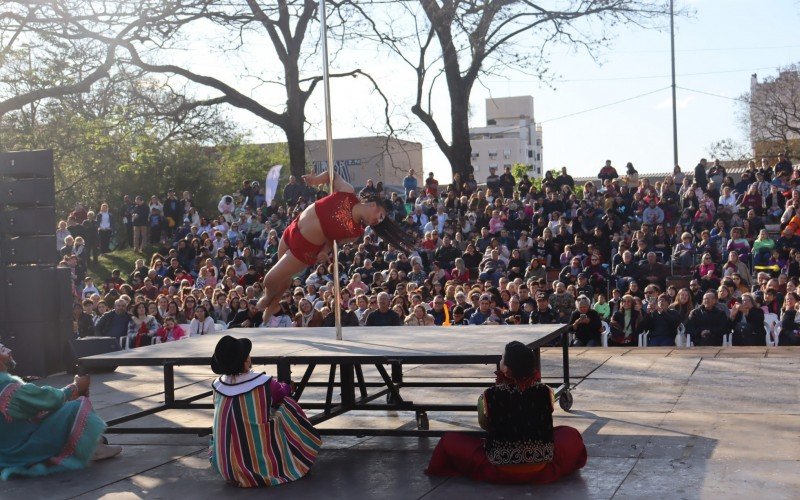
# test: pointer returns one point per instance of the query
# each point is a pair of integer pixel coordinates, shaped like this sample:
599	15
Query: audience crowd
697	254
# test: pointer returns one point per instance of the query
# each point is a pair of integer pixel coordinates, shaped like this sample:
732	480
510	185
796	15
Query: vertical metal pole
329	141
674	102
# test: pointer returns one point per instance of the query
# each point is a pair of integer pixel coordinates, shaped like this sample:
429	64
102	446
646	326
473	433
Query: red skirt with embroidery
463	455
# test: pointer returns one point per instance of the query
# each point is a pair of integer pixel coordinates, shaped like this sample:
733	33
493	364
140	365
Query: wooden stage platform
311	349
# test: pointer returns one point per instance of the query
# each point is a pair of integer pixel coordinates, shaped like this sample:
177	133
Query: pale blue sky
718	49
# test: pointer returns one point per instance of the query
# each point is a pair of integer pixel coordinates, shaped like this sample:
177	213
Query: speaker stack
36	302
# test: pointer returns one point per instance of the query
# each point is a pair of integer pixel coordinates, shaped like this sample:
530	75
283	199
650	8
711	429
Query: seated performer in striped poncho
261	436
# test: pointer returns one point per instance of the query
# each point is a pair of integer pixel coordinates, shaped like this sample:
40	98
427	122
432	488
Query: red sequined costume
335	214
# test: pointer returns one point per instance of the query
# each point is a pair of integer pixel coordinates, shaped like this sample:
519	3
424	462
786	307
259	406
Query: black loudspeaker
38	346
26	164
38	317
28	221
39	250
30	293
89	346
27	192
64	296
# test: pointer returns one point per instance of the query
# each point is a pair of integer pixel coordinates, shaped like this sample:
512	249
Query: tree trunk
295	117
295	137
460	156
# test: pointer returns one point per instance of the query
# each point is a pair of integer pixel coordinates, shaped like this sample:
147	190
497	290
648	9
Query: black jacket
715	321
663	324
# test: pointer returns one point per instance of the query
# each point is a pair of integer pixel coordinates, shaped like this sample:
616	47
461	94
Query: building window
539	170
492	153
530	154
538	157
538	142
506	154
476	154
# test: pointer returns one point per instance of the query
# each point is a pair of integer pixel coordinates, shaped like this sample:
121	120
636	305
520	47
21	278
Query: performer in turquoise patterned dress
45	430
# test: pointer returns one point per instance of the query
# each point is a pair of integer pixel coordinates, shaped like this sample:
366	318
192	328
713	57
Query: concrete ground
657	422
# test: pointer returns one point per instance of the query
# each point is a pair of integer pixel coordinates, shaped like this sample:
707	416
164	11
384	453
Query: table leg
565	357
347	385
169	383
397	372
284	371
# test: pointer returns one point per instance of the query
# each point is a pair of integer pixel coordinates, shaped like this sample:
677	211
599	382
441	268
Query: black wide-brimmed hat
229	355
519	359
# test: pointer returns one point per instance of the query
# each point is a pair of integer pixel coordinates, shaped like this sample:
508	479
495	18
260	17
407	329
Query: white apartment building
510	136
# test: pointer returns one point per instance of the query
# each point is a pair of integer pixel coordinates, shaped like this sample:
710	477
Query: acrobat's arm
339	184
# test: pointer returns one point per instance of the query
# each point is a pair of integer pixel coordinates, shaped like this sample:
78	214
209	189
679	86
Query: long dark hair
390	231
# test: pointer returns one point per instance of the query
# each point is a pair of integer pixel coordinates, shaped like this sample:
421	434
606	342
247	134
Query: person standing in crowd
431	186
105	227
608	172
507	183
140	220
700	175
292	191
493	180
410	183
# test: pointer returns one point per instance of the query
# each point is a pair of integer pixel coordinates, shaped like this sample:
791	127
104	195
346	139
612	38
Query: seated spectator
652	271
790	321
626	271
748	322
283	317
419	317
562	302
483	312
142	327
202	323
247	317
683	253
585	323
383	315
308	316
492	268
569	275
662	322
626	324
170	331
707	324
736	266
602	307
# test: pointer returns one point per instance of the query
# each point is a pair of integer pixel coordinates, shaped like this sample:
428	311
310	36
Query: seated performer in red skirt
522	446
340	216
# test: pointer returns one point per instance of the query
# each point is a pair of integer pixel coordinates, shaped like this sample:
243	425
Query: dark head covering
519	359
230	355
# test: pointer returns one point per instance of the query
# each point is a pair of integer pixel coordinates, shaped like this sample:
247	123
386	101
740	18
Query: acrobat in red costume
340	216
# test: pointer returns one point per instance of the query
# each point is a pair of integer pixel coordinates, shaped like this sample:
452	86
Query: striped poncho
261	436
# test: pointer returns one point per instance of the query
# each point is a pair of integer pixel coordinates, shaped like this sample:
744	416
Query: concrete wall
369	158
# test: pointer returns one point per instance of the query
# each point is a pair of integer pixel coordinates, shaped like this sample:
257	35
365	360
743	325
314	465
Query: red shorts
302	249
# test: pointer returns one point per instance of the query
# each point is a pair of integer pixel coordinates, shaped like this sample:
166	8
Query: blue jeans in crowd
660	341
